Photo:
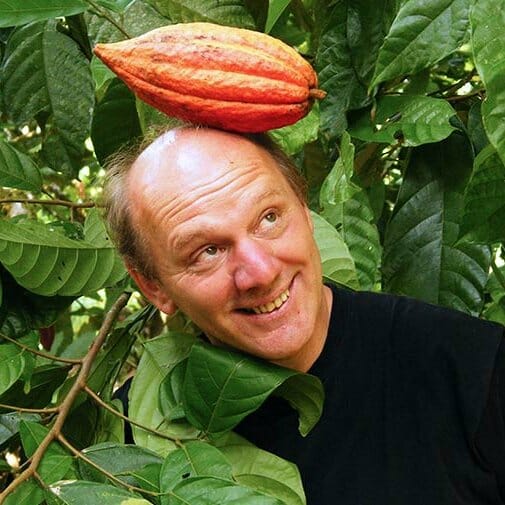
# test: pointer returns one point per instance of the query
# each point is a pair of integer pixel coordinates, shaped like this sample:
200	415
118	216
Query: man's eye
271	217
211	250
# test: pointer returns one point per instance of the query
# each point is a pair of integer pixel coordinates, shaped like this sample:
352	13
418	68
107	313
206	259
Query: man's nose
256	265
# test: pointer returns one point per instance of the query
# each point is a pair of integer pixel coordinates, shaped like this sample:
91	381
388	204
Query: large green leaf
9	424
45	71
28	493
485	198
20	13
488	45
293	138
351	34
275	10
17	170
138	18
91	493
222	387
411	119
214	491
38	392
44	261
231	12
423	33
56	461
337	261
266	472
122	461
160	356
423	257
15	361
115	120
194	459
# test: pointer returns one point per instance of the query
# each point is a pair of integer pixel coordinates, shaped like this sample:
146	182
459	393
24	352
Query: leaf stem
103	13
48	410
71	396
64	203
51	357
106	406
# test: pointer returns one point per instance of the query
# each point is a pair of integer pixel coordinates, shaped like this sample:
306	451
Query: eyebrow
183	241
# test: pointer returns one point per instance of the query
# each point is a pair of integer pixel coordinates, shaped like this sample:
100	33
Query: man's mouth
270	306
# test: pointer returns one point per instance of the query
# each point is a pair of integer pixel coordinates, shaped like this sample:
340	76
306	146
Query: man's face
232	245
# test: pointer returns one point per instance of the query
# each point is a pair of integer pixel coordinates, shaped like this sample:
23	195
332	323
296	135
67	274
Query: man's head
230	243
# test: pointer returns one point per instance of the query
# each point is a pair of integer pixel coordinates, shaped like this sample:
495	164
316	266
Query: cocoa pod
220	76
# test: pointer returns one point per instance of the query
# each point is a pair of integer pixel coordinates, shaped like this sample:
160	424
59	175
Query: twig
106	406
64	203
457	98
103	13
112	477
48	410
69	400
40	353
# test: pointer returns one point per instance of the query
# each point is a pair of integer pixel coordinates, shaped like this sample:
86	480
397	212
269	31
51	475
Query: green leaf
20	13
293	138
484	216
138	18
95	231
47	263
101	73
117	459
43	382
275	10
411	119
351	34
28	493
171	393
45	71
14	361
231	12
213	491
9	424
488	45
115	120
115	5
423	257
91	493
160	356
336	259
194	459
422	34
17	170
56	461
222	387
266	472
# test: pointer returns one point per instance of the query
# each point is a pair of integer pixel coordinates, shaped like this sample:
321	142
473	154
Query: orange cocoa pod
229	78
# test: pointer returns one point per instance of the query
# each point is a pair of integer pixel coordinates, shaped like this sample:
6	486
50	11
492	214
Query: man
215	224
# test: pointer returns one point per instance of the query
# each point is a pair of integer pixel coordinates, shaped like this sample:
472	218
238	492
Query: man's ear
153	291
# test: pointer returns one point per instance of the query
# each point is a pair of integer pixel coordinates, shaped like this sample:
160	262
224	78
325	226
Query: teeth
270	306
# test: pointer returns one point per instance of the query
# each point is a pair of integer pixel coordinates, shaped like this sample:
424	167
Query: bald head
178	161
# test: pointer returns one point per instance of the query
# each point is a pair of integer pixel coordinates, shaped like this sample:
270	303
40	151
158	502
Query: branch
40	353
109	475
106	406
103	13
49	410
66	405
64	203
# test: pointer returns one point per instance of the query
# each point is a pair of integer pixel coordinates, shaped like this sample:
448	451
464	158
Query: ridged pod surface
228	78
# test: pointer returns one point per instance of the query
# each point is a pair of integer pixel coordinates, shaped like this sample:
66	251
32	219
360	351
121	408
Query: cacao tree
405	163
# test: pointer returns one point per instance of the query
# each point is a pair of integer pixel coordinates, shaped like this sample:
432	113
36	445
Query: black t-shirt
414	411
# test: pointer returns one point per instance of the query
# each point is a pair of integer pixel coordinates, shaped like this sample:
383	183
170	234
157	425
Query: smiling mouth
270	306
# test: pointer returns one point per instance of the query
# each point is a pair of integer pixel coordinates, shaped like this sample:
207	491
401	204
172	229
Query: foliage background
405	163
